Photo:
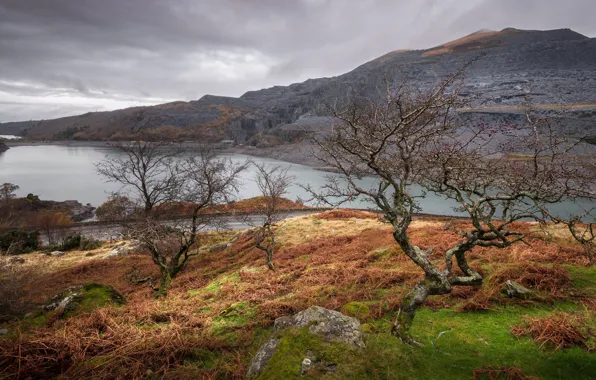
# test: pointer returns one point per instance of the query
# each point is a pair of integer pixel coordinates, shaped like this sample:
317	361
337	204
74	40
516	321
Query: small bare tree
190	185
413	137
273	183
147	168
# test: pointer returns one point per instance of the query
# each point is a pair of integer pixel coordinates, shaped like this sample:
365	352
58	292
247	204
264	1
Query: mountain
556	68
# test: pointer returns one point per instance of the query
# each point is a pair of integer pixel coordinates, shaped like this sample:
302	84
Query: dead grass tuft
550	281
557	331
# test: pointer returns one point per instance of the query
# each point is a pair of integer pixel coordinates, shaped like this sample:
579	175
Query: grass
222	306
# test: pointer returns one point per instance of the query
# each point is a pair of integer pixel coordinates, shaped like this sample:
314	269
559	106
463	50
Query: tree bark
164	284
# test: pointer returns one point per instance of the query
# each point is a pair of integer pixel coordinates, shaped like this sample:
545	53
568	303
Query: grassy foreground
221	309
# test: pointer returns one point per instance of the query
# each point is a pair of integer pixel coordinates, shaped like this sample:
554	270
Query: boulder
124	249
311	341
3	331
57	254
83	298
515	290
16	260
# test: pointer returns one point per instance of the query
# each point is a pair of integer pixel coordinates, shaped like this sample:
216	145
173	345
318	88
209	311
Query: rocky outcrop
3	147
306	342
83	298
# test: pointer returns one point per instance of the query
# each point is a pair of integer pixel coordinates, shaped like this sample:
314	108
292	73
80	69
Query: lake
60	173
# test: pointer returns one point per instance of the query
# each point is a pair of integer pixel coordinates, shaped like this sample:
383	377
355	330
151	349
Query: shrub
79	242
13	291
18	241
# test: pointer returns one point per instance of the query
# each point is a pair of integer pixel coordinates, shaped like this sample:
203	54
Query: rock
515	290
124	249
83	298
57	254
219	247
3	331
329	324
321	325
16	260
3	147
262	357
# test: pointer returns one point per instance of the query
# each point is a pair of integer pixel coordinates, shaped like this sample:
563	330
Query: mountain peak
486	39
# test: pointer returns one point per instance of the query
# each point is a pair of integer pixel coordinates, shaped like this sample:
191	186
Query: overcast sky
65	57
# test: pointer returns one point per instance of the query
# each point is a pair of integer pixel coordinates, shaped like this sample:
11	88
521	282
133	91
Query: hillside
222	307
556	67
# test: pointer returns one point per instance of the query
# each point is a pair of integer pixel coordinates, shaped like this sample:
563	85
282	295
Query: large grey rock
57	254
3	331
329	325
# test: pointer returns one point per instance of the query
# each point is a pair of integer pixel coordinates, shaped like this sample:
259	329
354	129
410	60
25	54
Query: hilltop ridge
554	67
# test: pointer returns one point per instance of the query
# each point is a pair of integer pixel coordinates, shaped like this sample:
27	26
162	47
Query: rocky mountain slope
556	68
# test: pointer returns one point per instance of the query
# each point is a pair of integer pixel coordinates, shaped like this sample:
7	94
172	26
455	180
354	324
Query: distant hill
555	67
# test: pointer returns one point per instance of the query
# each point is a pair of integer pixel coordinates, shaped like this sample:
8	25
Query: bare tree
177	210
7	191
409	137
273	183
148	168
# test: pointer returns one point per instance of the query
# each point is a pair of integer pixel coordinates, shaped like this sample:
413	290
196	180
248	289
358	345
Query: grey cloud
113	51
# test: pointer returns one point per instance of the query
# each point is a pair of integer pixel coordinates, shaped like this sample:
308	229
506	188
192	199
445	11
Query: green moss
95	296
234	317
386	253
215	286
357	310
583	279
295	344
456	343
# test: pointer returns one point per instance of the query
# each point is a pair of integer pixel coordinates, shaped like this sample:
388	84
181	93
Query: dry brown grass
481	40
347	214
551	283
560	330
320	261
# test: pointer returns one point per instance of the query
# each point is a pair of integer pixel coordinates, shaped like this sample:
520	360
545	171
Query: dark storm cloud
68	56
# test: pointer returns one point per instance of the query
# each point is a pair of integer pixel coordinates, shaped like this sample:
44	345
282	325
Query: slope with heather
221	308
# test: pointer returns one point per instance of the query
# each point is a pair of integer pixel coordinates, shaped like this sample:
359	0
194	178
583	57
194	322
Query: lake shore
291	153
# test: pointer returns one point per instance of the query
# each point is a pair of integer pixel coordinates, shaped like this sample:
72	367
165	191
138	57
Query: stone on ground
314	341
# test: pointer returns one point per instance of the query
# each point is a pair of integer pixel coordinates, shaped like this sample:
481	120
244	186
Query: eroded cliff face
554	69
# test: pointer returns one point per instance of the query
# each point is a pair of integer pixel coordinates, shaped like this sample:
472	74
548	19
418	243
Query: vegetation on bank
221	308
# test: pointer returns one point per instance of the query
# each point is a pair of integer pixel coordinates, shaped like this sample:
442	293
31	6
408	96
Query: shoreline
288	153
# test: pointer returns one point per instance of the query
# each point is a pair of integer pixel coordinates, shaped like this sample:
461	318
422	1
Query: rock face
554	67
318	325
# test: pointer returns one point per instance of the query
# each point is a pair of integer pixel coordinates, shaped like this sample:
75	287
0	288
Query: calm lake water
63	173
